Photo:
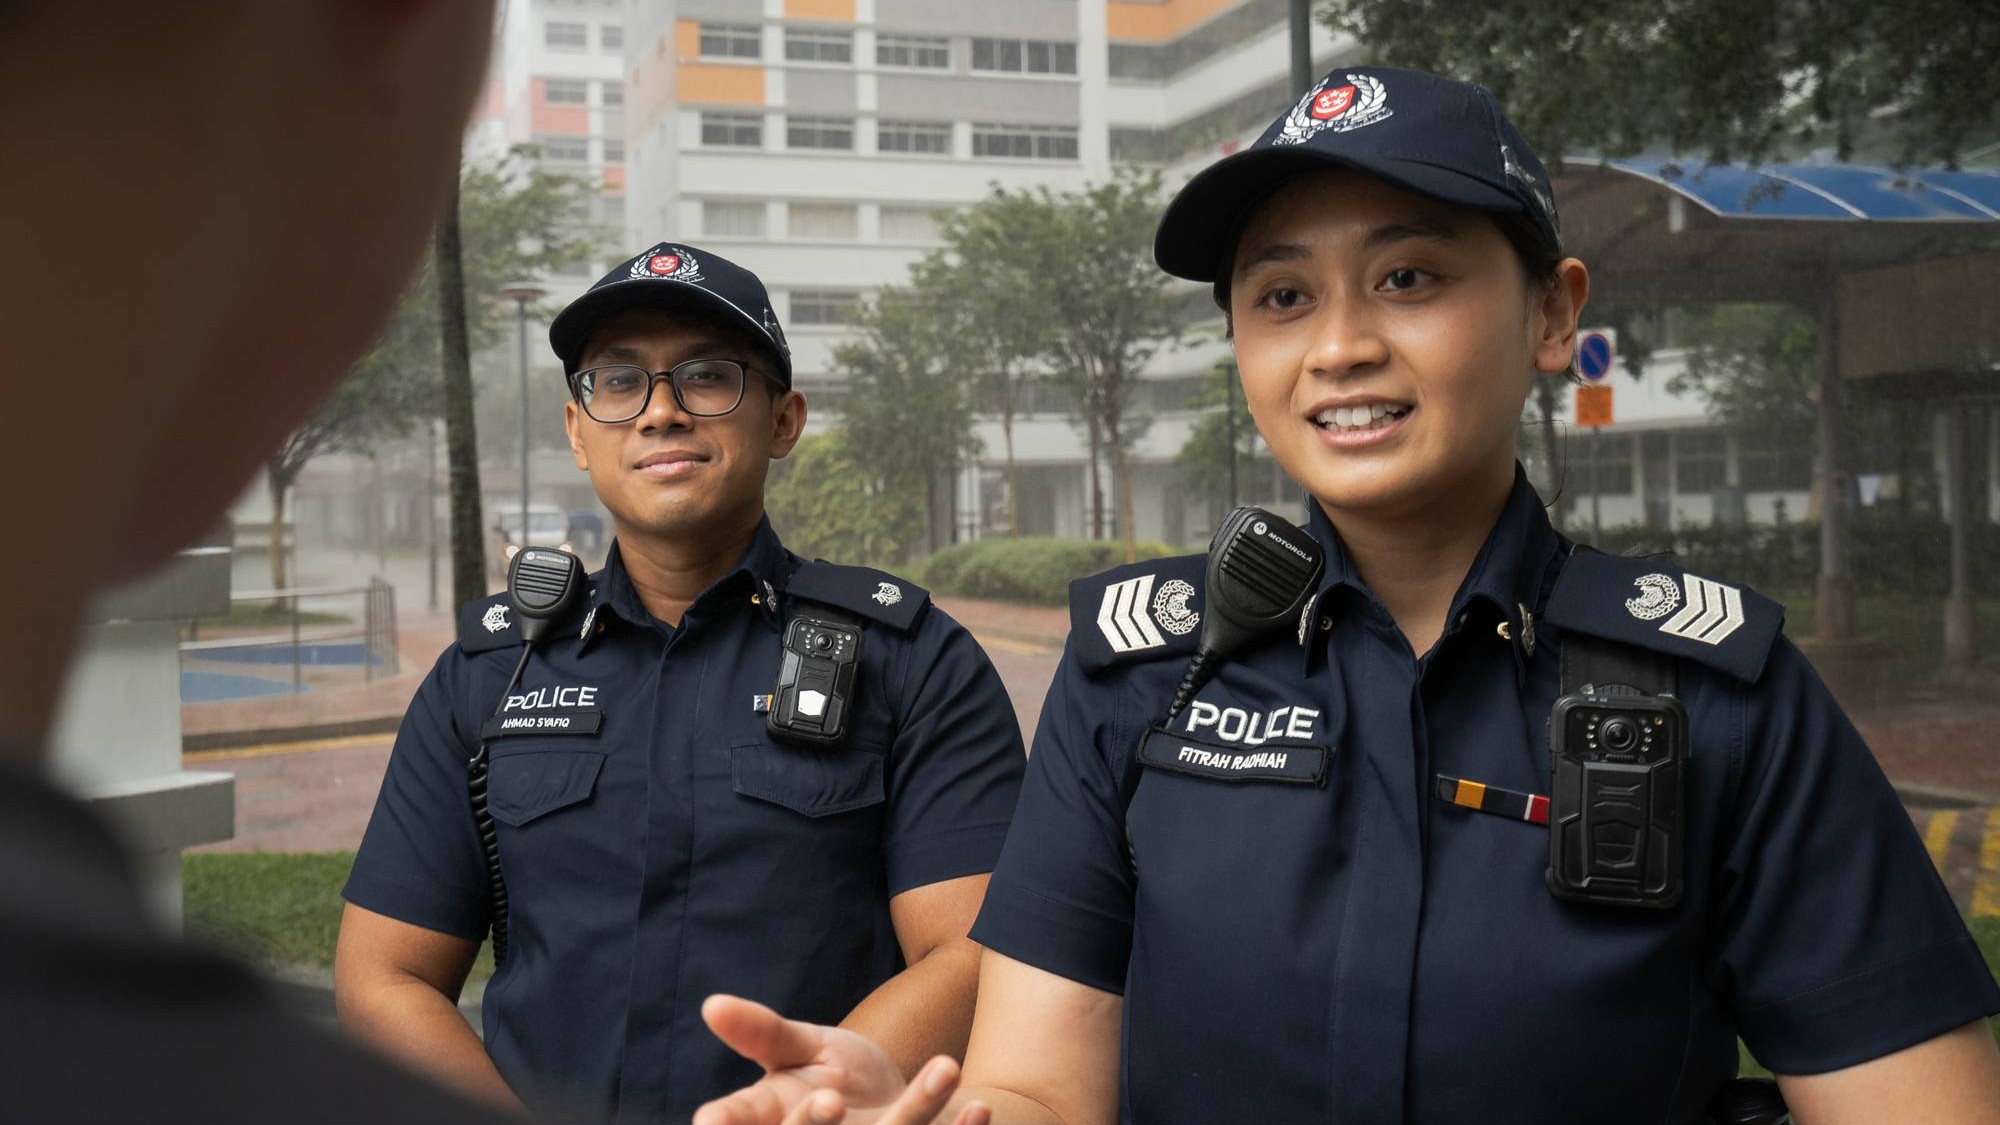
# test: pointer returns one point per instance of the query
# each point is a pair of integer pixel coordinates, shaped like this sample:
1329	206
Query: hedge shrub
1890	551
1036	570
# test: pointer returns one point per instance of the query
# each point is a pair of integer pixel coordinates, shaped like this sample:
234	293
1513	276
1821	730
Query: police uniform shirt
1307	928
659	846
104	1018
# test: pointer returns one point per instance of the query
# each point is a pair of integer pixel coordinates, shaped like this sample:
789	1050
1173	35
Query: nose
1346	338
663	411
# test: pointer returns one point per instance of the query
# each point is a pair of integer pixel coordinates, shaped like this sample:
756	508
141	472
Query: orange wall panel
614	178
687	39
1156	23
826	11
722	85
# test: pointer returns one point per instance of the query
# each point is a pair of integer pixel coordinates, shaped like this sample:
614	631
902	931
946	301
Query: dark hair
1538	251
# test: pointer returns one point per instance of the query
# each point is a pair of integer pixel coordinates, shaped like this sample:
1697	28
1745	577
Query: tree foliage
908	404
1756	366
1202	465
515	219
1911	81
829	500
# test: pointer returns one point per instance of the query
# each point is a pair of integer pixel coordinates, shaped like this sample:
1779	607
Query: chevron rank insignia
1656	605
1141	611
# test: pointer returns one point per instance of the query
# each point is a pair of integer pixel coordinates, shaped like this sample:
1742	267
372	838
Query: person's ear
788	422
1558	310
573	421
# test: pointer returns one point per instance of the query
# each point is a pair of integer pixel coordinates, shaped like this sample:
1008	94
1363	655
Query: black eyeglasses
705	388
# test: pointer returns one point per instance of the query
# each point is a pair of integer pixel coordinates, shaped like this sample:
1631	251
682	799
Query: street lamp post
522	292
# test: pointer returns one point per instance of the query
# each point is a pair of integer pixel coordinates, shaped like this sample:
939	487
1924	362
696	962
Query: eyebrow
1384	235
705	349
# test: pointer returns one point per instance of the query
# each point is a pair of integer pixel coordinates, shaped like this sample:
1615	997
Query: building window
1775	466
1614	465
1025	142
913	50
614	152
819	132
732	220
559	36
611	94
612	209
611	37
731	41
1024	56
912	224
564	91
573	149
824	306
914	136
736	130
805	44
823	220
1701	460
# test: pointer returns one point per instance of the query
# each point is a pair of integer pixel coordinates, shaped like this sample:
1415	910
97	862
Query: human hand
814	1075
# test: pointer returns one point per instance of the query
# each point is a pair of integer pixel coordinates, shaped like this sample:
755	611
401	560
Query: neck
670	571
1415	560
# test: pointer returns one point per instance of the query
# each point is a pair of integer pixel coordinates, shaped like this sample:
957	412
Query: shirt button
1325	624
1505	629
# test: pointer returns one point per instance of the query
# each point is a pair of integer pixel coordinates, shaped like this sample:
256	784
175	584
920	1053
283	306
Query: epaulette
1139	611
864	591
487	623
1654	604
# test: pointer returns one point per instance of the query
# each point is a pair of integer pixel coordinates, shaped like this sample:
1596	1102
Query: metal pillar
1302	62
1834	608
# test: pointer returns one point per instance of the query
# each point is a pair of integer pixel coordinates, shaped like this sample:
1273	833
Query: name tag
509	723
1222	761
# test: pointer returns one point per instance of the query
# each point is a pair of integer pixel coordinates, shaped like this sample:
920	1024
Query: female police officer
1326	899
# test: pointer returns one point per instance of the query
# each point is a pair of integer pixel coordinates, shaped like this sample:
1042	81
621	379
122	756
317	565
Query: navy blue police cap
1429	135
674	275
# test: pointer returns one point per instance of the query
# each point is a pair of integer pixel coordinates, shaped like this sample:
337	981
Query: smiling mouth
1360	419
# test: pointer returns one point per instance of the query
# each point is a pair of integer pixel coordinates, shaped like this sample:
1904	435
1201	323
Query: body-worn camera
1615	813
815	681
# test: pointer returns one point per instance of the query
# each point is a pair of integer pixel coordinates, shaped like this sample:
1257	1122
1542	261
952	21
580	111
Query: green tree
1202	465
1725	79
829	500
1757	368
908	404
511	218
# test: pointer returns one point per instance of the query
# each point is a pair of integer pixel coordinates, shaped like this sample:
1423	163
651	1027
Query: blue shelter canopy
1820	191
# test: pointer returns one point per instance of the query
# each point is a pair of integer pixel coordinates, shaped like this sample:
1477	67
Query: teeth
1368	417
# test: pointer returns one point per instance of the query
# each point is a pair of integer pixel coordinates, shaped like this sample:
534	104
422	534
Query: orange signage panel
1593	405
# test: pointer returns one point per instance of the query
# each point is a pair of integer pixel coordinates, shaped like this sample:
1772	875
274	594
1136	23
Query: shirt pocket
816	782
529	783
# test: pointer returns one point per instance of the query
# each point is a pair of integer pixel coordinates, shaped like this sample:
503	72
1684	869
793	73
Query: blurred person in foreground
215	205
657	841
1327	890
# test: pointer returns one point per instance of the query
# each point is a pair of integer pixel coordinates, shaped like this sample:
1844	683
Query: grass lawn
1912	628
282	910
277	910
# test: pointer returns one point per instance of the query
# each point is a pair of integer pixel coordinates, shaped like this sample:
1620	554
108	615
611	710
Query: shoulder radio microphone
1261	570
543	585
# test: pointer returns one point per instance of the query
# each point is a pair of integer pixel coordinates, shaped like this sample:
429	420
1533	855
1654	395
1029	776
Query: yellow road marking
1019	648
1986	889
273	749
1937	835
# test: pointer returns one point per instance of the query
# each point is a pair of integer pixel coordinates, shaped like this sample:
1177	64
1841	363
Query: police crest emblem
671	263
1364	101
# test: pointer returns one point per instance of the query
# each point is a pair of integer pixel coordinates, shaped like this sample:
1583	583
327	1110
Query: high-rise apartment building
817	141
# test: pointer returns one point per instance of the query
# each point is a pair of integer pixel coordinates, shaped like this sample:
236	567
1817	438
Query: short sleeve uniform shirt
658	845
1305	927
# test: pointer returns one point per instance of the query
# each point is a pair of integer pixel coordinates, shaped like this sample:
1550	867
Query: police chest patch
553	710
1296	763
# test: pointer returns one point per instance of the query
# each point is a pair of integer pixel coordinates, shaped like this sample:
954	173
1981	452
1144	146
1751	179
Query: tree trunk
280	483
1122	471
1013	470
1096	478
468	543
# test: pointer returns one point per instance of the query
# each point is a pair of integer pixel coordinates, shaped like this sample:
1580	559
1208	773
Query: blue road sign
1593	355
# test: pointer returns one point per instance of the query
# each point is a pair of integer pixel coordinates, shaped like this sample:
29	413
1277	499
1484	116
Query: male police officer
650	828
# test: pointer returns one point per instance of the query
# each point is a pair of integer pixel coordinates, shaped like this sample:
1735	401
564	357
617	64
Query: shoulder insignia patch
1654	604
487	624
860	590
1141	611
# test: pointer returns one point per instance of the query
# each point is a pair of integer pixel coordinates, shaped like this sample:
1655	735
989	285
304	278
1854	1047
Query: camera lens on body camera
1618	734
